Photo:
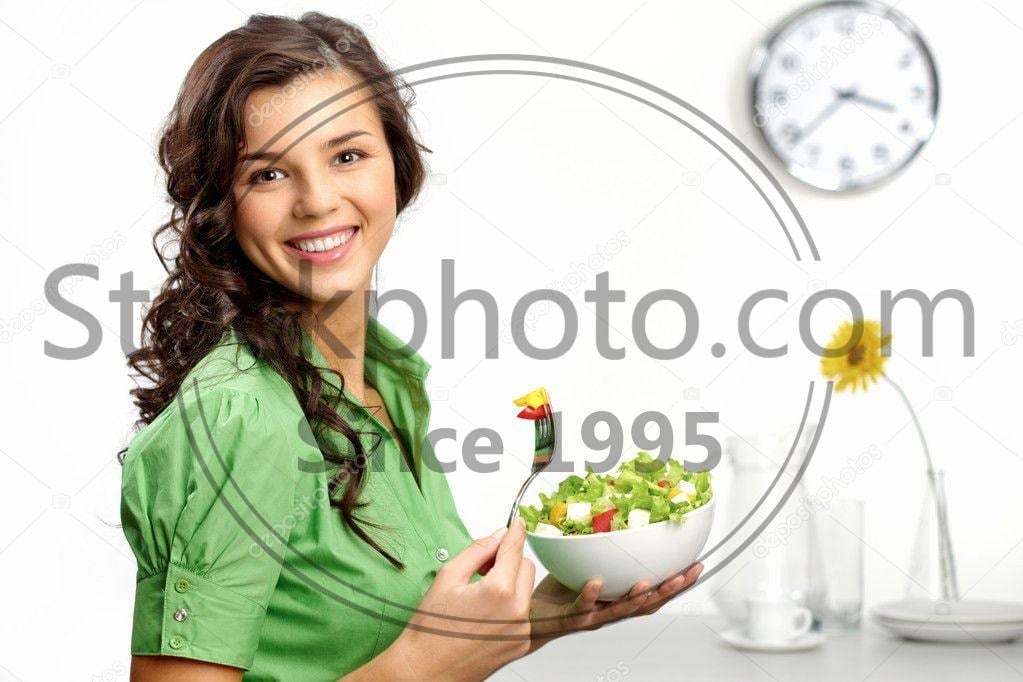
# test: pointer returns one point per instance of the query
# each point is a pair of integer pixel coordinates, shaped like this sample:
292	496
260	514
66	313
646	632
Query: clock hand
820	118
870	101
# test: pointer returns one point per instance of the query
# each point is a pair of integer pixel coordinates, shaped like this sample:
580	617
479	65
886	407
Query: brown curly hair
211	285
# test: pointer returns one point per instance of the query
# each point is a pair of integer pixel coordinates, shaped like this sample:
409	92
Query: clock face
845	93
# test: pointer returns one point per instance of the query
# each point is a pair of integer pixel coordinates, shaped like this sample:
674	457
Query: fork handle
518	498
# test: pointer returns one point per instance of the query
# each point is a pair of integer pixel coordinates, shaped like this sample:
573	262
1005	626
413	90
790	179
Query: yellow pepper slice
558	512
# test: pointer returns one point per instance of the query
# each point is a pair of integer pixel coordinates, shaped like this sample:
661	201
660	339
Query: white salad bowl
621	558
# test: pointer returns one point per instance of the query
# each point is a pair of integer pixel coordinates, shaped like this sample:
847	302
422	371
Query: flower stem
916	422
949	582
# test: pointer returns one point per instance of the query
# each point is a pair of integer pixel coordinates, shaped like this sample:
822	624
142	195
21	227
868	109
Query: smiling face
329	201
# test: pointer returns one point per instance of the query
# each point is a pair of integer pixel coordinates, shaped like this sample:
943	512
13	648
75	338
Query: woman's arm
432	647
394	663
175	669
494	612
556	610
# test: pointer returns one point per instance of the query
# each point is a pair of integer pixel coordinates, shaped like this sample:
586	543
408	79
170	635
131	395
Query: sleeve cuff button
176	642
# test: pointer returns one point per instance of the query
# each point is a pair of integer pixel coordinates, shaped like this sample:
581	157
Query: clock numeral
905	127
813	155
916	93
906	59
790	132
847	164
778	97
881	153
790	62
846	24
810	33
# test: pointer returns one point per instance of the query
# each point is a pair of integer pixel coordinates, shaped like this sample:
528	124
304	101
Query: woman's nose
317	196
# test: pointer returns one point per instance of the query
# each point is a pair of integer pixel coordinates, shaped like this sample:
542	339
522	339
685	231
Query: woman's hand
556	610
496	606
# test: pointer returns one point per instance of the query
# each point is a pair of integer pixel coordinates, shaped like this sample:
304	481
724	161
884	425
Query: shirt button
180	615
181	585
442	554
176	642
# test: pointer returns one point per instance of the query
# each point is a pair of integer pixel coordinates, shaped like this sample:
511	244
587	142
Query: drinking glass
840	533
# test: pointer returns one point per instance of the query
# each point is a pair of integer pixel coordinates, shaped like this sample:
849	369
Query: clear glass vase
932	568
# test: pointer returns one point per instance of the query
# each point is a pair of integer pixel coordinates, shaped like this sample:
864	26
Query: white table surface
667	647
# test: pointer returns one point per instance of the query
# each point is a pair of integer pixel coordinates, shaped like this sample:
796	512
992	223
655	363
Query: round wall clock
845	93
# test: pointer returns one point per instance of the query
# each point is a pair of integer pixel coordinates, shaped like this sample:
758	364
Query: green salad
644	490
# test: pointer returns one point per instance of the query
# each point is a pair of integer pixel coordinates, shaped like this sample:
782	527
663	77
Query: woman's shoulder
229	384
231	366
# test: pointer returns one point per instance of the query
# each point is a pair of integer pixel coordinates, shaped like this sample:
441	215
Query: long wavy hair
211	285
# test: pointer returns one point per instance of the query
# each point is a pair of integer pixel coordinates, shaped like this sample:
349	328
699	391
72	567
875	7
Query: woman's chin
324	290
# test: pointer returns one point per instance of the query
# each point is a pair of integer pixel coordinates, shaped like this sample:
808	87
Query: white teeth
325	243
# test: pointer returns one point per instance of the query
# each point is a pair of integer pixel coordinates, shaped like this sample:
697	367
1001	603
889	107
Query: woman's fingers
669	588
587	599
473	558
621	607
509	555
526	577
632	601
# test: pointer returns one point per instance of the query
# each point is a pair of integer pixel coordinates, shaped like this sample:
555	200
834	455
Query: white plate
973	611
737	638
967	633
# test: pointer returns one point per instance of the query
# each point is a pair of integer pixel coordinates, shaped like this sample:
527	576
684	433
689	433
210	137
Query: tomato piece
531	413
602	522
663	483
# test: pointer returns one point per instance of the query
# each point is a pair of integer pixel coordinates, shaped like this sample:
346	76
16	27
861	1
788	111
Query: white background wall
85	89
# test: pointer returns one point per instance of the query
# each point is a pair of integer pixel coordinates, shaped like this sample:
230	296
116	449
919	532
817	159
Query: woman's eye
261	177
348	154
265	176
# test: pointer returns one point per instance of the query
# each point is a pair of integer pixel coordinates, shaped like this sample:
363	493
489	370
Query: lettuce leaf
633	486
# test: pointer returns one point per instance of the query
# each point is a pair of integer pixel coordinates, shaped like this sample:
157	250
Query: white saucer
970	622
978	611
965	633
737	637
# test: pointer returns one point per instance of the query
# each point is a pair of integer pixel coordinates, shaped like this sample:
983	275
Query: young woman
287	513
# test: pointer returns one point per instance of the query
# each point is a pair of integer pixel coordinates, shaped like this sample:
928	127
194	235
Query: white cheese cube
578	511
686	491
639	518
546	529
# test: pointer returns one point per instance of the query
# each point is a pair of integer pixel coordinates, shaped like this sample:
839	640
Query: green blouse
241	559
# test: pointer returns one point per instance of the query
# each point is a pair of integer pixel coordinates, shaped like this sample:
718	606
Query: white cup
776	620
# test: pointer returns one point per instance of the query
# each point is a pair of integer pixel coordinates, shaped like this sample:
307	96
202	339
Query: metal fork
545	438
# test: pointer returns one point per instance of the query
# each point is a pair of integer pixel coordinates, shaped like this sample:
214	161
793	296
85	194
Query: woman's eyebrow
329	144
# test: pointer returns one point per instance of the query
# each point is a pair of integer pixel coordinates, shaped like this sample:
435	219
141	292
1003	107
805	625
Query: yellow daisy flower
858	365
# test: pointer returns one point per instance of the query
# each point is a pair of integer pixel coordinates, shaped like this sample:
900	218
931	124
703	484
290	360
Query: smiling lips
323	246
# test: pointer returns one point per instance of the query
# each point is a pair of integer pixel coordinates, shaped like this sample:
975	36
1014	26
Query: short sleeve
205	491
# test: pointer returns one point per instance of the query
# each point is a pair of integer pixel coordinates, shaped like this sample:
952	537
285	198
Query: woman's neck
339	331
